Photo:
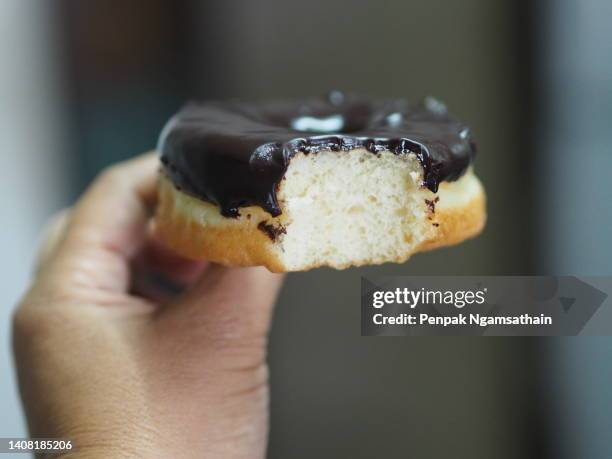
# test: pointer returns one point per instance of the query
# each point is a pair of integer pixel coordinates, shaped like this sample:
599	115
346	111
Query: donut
337	181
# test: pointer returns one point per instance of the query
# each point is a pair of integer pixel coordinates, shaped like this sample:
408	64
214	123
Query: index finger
107	226
115	209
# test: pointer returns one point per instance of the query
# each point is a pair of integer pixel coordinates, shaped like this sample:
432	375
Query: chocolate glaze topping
235	154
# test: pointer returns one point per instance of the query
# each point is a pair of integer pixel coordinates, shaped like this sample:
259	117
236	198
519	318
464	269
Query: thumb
226	304
212	343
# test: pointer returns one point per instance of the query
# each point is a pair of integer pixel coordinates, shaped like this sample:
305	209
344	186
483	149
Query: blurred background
85	84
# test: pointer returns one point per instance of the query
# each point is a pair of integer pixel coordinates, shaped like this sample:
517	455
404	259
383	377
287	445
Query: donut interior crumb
350	208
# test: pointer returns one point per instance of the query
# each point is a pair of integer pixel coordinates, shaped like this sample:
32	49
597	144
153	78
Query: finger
160	275
106	227
52	236
113	213
156	257
226	304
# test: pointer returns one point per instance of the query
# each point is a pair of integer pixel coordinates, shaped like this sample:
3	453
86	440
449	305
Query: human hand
124	369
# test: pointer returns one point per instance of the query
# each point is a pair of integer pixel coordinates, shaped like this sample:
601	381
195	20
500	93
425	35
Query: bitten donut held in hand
341	181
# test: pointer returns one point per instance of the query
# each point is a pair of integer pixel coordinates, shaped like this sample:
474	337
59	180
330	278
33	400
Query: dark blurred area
123	68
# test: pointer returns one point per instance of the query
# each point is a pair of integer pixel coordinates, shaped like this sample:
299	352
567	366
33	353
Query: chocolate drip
235	154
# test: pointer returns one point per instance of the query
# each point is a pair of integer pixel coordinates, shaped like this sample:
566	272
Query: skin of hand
126	369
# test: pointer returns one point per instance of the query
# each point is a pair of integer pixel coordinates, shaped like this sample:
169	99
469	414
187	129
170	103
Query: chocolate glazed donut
235	154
